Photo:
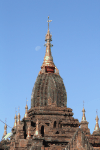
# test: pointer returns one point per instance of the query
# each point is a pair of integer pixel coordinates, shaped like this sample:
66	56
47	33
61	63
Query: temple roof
49	90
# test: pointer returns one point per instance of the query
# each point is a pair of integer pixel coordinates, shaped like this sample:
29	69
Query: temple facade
49	124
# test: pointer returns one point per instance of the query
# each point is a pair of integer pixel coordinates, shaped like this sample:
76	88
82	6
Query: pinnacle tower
15	123
5	130
26	110
83	110
49	89
97	124
84	123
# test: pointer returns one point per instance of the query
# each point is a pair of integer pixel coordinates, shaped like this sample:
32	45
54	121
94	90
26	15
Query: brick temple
49	124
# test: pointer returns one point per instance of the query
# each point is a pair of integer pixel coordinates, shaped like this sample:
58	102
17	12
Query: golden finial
83	110
48	63
97	124
48	22
26	109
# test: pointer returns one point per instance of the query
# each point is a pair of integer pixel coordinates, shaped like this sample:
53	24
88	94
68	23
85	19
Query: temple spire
26	109
83	110
29	132
37	133
48	64
15	123
18	116
97	124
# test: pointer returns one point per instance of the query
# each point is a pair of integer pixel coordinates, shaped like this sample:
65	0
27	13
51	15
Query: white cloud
37	48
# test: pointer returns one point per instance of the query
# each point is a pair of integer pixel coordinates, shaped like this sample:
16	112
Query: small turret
97	124
15	123
37	133
26	110
83	117
5	130
96	131
84	123
29	132
18	121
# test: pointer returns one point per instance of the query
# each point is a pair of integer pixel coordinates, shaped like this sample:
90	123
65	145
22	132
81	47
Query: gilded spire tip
48	64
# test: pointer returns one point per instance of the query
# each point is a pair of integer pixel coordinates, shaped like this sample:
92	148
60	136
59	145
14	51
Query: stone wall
79	142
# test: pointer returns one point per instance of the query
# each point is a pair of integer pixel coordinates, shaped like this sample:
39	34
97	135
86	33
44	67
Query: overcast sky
75	29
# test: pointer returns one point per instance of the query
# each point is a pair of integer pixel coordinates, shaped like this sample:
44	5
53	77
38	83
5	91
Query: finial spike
48	22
